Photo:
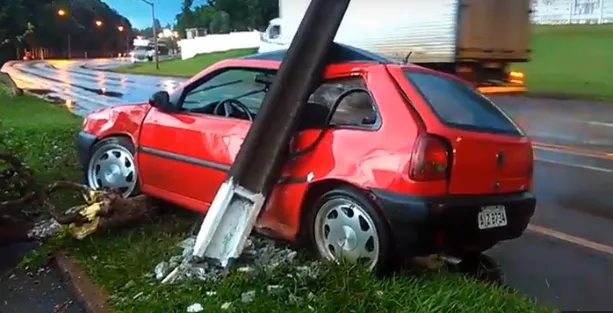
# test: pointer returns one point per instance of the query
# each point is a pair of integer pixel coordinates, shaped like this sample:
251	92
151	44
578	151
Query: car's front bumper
85	143
449	224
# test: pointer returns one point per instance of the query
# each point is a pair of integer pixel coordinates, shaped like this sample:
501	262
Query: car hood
122	119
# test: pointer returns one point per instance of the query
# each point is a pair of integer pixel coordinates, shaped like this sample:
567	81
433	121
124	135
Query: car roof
339	53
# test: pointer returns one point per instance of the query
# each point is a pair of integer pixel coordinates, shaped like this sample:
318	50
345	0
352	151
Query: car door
184	156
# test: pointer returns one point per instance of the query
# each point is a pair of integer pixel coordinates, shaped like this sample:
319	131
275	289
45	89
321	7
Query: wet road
565	260
85	85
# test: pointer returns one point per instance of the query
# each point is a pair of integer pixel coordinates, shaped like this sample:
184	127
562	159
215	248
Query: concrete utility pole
259	162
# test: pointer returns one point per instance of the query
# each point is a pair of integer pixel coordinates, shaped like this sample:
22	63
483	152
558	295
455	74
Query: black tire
482	267
105	143
150	59
353	195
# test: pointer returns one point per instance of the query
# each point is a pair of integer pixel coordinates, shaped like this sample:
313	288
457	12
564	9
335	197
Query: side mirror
161	100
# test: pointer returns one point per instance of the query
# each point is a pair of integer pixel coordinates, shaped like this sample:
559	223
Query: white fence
572	11
218	42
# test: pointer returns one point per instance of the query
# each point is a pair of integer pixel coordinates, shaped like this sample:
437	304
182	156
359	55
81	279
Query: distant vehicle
444	171
147	53
142	54
476	40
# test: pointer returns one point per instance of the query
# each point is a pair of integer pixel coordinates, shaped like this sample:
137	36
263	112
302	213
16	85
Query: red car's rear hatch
489	153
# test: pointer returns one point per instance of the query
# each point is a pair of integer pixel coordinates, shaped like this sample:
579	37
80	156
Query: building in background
572	11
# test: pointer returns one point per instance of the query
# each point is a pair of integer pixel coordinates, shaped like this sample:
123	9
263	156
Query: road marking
603	124
585	167
571	239
572	150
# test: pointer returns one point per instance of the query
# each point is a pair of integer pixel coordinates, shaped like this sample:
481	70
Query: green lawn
43	136
571	60
121	262
183	68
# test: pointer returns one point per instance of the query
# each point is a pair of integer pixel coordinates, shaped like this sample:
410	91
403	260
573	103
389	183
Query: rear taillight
430	160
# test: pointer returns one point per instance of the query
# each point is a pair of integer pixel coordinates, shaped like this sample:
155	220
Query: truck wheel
150	59
482	267
343	224
112	165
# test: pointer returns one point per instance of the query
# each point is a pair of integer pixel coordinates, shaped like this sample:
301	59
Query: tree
220	23
29	24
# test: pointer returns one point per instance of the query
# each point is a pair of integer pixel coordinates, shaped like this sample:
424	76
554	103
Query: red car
389	160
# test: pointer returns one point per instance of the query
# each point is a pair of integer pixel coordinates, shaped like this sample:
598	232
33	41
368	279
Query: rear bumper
428	225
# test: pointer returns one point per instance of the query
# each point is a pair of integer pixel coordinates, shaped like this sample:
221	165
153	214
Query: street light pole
155	37
62	13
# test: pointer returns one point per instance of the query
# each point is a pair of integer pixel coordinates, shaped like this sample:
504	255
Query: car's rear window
460	106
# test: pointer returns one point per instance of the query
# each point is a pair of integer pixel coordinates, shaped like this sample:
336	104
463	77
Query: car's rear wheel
345	225
112	165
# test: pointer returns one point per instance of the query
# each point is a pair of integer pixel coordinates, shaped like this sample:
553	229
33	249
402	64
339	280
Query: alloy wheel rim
344	230
112	167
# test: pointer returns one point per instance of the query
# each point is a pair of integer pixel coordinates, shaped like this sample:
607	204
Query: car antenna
406	58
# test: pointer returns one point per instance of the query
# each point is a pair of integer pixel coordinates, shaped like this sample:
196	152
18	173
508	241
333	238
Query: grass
183	68
121	262
571	60
42	136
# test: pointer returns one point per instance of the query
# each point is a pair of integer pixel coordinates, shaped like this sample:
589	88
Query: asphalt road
565	260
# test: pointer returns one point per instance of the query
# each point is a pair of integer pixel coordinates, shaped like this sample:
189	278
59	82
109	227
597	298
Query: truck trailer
476	40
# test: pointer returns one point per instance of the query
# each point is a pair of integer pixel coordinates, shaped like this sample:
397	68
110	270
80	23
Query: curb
7	79
93	298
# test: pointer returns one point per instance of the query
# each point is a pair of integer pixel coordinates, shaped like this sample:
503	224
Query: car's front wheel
112	165
345	225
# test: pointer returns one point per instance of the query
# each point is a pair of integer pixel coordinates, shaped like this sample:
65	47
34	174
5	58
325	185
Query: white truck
474	39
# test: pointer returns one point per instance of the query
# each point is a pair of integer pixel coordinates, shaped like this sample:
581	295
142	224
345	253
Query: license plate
492	216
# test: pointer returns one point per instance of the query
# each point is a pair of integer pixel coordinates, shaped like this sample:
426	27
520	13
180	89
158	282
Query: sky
139	13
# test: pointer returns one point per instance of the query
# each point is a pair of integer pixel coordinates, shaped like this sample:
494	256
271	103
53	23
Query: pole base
228	224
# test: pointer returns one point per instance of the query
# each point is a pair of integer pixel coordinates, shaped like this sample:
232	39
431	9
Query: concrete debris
161	270
260	254
248	296
226	305
195	308
44	229
273	289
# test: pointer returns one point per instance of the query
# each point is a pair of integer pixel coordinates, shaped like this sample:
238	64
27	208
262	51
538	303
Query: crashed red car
389	160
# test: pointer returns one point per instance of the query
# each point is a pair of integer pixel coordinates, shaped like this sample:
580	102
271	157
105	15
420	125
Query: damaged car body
389	160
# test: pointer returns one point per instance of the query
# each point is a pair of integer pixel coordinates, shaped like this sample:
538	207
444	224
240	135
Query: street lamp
155	37
121	28
62	13
98	23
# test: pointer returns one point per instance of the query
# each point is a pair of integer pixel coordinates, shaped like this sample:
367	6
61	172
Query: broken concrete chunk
161	270
273	289
195	308
248	296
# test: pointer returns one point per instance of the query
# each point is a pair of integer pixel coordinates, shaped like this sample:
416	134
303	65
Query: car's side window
243	85
355	109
